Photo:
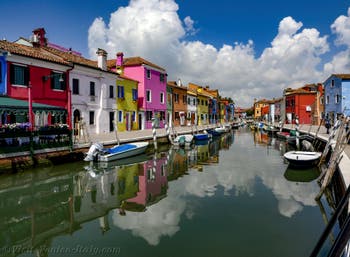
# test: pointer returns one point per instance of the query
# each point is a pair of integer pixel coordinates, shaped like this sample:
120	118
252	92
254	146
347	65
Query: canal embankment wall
22	160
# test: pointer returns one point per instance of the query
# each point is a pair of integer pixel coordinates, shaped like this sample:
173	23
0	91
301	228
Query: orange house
179	103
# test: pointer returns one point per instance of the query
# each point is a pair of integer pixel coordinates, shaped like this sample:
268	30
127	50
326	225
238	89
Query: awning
16	106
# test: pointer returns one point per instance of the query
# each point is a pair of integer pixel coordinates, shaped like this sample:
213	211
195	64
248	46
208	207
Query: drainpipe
69	107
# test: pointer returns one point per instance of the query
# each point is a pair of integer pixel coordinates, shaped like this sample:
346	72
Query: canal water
233	196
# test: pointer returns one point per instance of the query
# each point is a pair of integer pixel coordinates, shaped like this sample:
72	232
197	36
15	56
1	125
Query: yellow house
127	104
202	103
258	105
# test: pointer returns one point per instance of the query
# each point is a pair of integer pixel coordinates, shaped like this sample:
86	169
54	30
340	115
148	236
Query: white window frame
162	97
327	99
148	74
148	95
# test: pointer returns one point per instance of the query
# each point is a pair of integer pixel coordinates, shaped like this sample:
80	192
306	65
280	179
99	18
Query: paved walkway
138	135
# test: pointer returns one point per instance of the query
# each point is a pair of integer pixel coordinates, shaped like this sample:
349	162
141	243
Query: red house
300	103
38	76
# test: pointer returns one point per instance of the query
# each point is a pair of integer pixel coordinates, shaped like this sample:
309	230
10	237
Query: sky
246	49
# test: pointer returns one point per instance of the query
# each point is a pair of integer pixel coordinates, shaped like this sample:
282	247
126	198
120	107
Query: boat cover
120	148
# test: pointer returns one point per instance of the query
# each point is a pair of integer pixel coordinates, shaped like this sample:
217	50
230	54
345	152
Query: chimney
101	59
38	37
120	57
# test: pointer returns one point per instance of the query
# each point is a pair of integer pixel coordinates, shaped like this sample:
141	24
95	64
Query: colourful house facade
299	104
202	103
179	103
127	104
337	96
151	89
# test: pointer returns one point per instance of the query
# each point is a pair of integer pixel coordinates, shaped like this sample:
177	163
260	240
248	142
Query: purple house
151	90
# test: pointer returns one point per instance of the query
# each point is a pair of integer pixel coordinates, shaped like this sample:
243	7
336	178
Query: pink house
151	90
153	182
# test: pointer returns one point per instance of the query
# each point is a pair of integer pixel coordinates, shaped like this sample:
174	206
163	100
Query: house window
120	92
198	101
148	96
337	99
176	98
194	101
133	116
332	83
184	99
92	88
206	103
161	97
19	75
58	81
189	101
148	74
161	77
327	99
75	87
148	115
202	102
91	117
134	94
111	91
120	116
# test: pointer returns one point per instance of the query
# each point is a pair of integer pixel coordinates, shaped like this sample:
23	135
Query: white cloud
152	29
340	62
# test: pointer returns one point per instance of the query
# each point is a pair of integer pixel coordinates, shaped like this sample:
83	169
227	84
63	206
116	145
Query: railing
14	141
342	240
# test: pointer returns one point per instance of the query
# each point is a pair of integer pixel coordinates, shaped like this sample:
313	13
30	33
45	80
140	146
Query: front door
140	120
111	121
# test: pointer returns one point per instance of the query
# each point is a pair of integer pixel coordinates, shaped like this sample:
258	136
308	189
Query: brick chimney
120	57
38	37
101	59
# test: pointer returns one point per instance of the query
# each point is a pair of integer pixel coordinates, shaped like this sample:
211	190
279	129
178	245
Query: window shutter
26	76
12	74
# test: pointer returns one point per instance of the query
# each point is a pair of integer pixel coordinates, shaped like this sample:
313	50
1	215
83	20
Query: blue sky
194	50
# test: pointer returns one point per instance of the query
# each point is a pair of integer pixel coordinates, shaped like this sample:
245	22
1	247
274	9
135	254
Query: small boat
302	159
283	135
236	125
213	132
221	130
183	140
98	153
202	136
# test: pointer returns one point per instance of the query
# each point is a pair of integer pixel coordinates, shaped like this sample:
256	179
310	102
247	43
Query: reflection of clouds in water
233	172
159	220
288	207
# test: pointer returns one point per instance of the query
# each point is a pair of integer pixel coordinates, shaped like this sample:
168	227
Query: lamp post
30	107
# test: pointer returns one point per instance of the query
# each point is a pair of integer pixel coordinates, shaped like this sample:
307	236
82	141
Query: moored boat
183	140
302	159
100	154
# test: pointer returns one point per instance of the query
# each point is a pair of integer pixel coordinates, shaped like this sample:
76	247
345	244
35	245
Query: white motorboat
100	154
302	159
183	140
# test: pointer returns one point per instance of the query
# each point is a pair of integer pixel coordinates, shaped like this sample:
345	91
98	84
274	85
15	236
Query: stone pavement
138	135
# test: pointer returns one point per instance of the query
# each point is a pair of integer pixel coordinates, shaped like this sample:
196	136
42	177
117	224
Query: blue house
3	72
337	96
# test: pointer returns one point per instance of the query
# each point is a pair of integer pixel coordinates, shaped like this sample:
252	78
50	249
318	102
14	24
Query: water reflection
147	195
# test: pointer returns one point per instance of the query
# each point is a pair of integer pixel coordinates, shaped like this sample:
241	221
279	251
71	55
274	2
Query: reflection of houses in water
95	193
261	138
34	208
226	141
178	163
152	184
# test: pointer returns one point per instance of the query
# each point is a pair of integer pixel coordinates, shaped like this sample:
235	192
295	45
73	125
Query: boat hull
116	153
300	159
